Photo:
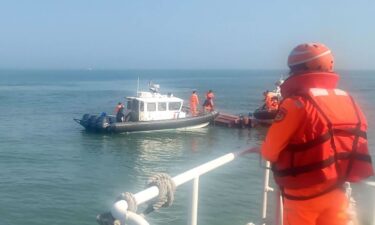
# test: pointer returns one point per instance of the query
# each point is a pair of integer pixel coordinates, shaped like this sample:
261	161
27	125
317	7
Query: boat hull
98	124
264	116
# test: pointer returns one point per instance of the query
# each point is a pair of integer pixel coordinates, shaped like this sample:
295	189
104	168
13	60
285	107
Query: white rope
108	219
130	199
166	188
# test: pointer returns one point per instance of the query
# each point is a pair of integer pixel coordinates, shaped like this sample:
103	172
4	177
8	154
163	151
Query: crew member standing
317	141
118	107
194	102
209	102
119	111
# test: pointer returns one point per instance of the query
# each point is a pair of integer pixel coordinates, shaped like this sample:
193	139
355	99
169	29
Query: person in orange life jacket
268	102
274	104
194	102
209	102
119	111
317	141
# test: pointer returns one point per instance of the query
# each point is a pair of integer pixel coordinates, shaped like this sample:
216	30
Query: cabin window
151	107
162	106
141	106
174	106
129	105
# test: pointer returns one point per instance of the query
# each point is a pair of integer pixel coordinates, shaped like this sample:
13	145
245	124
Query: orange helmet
310	57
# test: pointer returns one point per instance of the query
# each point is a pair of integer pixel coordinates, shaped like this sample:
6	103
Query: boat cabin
148	106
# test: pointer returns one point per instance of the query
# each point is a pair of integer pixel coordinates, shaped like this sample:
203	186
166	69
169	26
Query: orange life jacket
194	101
331	145
210	95
117	108
273	106
209	102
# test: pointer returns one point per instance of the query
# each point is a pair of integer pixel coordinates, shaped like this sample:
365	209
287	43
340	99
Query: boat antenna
137	85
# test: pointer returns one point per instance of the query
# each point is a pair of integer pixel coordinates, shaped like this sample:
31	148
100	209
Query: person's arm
286	123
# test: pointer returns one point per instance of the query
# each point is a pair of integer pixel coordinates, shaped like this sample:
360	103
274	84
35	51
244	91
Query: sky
181	34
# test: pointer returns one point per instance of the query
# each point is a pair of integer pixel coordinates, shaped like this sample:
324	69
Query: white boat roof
145	96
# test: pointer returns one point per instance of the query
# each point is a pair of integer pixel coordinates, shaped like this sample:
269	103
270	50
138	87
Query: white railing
122	215
120	210
371	184
267	188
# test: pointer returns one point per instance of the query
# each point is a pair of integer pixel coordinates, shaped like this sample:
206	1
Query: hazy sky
181	34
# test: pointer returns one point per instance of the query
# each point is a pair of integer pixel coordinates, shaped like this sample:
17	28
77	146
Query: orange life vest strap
323	138
307	145
294	171
301	198
356	139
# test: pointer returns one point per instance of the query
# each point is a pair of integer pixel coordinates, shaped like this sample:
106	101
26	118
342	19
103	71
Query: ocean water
53	172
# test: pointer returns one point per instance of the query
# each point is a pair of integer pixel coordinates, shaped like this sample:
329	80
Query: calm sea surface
53	172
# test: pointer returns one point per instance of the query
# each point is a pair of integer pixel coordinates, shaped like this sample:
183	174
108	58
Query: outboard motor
91	123
112	119
102	122
84	120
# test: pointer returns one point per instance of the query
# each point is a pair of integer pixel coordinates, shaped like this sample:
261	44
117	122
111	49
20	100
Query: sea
54	172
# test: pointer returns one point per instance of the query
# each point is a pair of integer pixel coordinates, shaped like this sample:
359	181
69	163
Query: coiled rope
130	199
167	189
165	198
108	219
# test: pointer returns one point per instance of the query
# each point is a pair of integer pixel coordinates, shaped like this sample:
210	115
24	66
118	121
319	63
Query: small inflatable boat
265	114
148	111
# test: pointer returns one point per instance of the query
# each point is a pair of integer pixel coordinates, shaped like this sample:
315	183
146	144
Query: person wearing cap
194	102
317	141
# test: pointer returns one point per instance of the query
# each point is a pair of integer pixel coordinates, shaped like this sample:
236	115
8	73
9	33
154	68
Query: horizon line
165	69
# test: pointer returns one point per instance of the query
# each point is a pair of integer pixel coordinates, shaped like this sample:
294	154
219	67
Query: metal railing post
280	209
371	184
266	189
194	202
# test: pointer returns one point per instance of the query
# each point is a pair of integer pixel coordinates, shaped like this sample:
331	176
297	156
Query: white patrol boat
148	111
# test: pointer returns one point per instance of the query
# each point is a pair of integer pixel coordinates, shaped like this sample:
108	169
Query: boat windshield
162	106
129	104
174	106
